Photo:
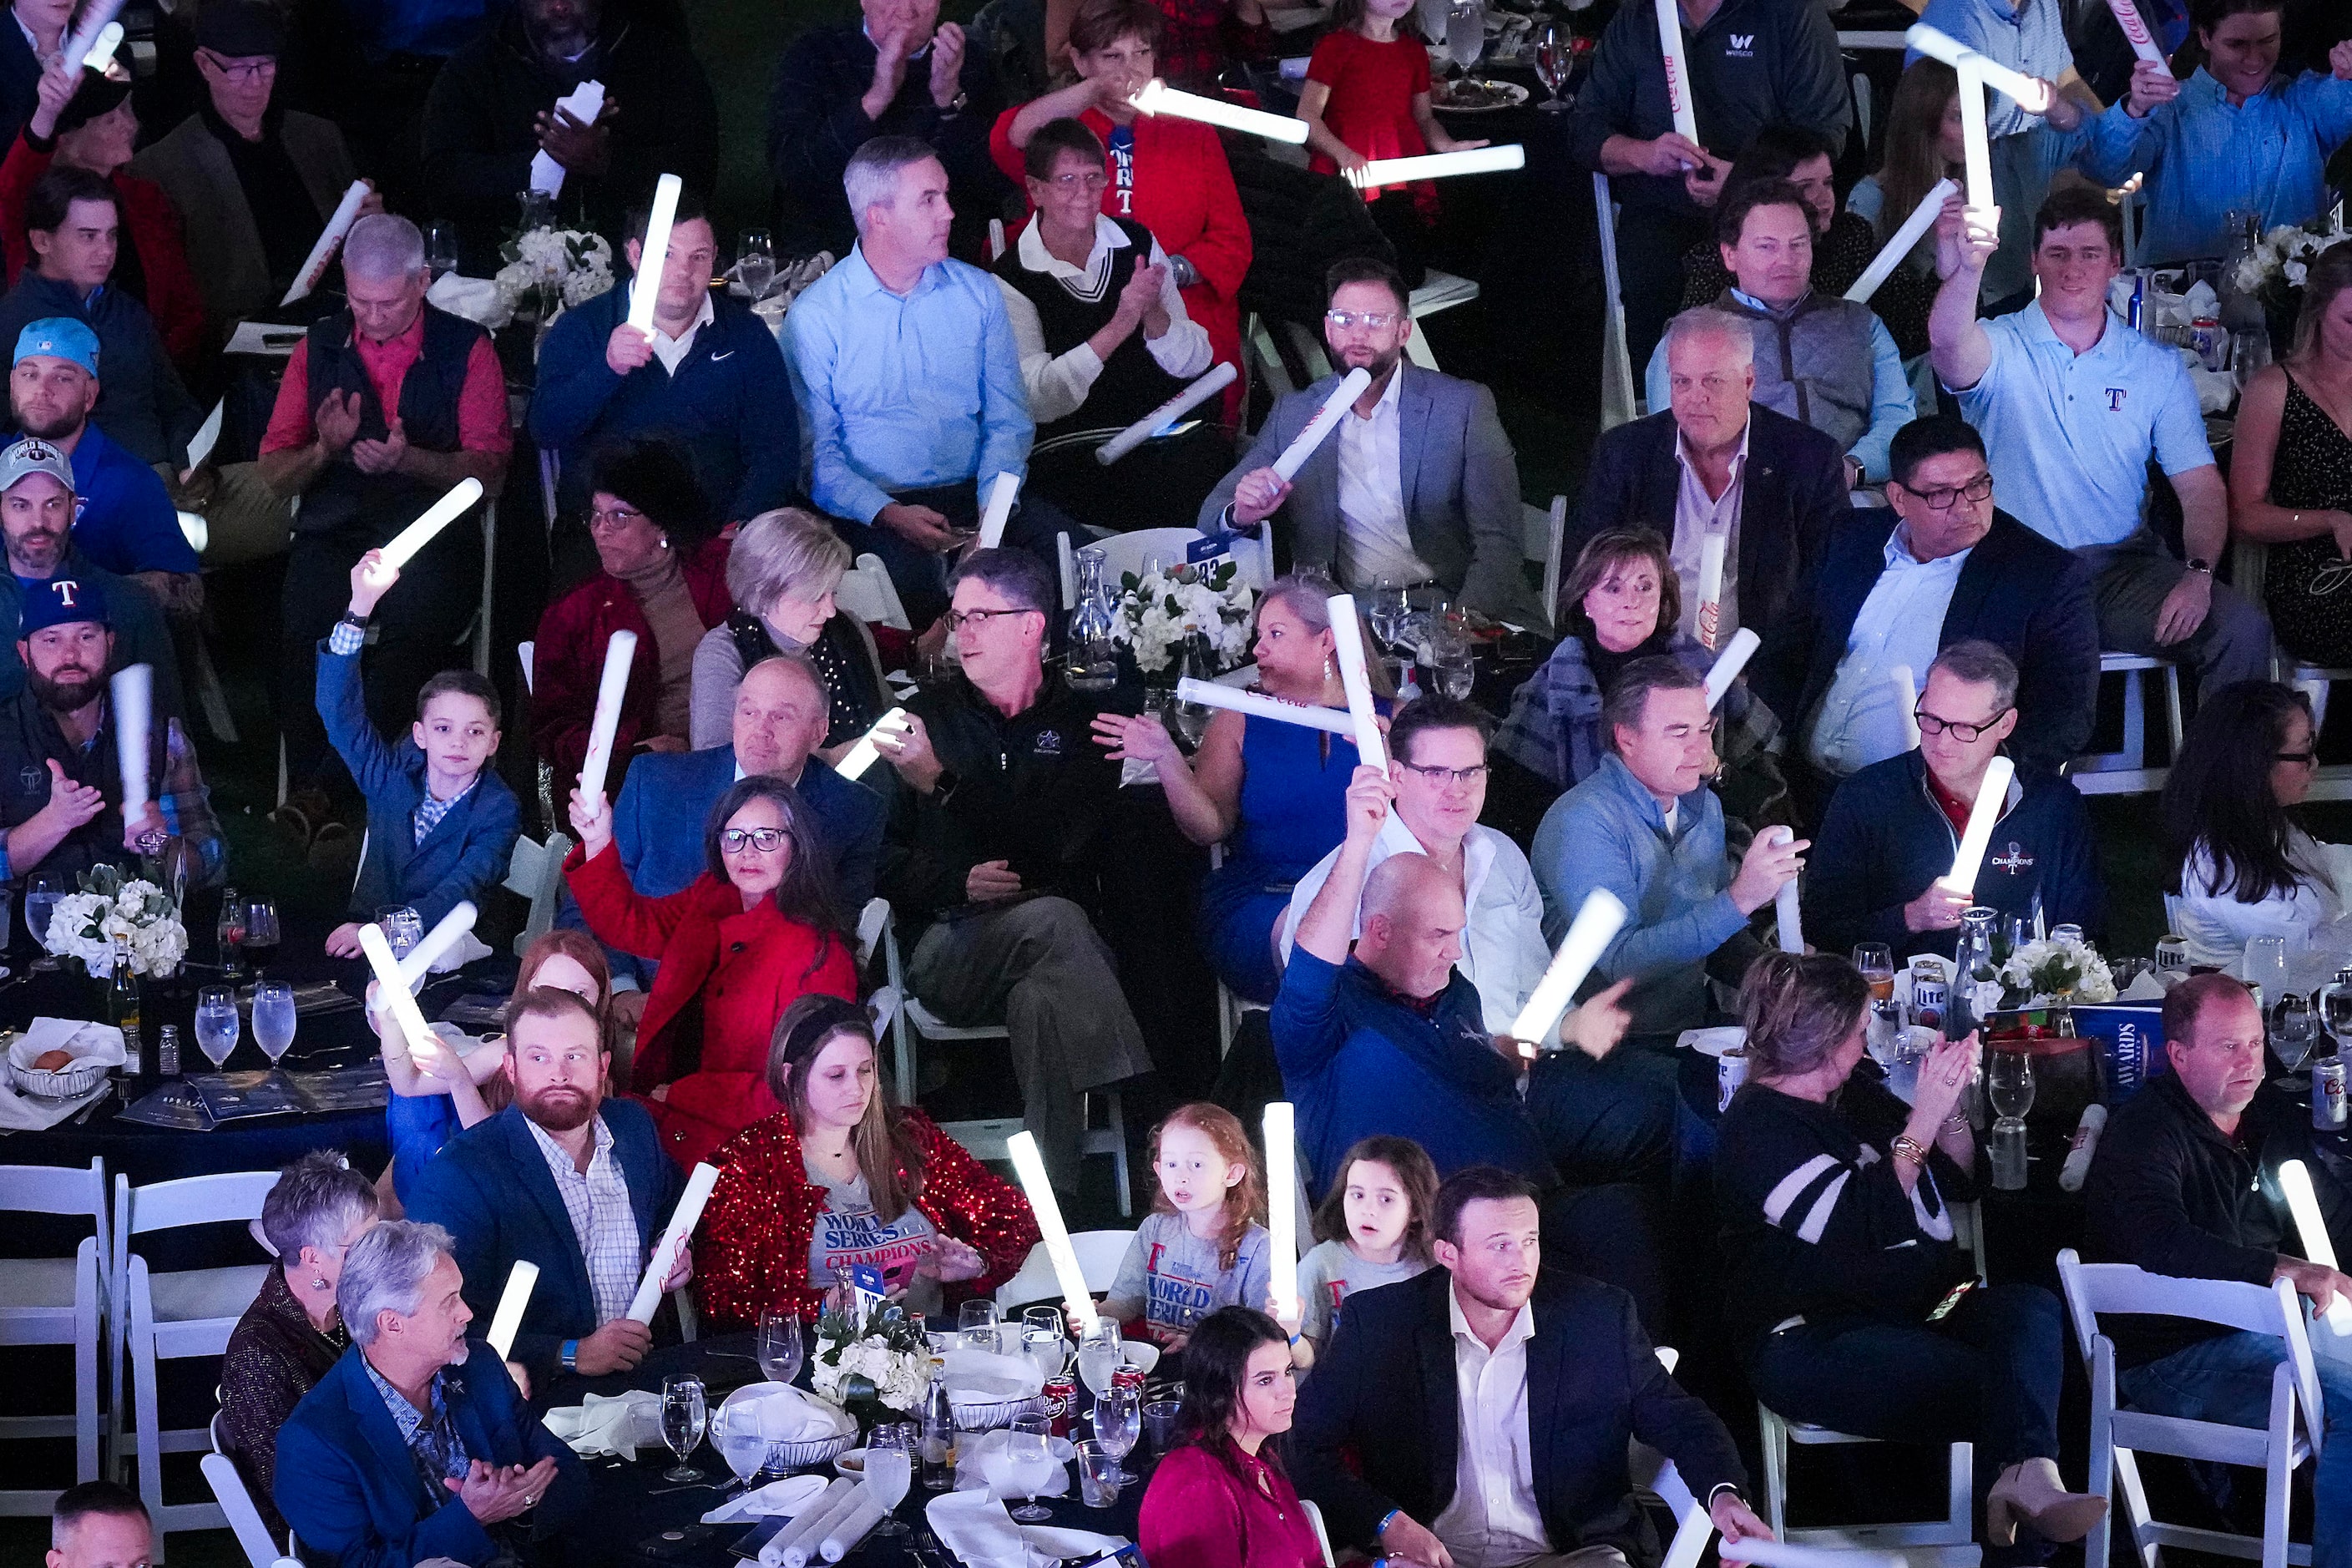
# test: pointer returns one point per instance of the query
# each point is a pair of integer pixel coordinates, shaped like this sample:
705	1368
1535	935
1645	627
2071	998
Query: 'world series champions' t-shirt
1330	1273
848	1233
1170	1277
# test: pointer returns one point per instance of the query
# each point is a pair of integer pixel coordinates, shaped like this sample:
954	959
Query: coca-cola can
2327	1107
1060	1396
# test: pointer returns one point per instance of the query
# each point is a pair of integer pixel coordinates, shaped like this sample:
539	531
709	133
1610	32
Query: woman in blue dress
1272	793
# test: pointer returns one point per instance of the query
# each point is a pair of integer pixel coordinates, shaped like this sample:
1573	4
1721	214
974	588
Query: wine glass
683	1416
216	1022
273	1017
260	942
889	1471
1553	57
978	1321
1118	1422
1465	32
1045	1350
1386	607
2293	1031
755	263
2008	1083
1030	1440
1046	1317
441	249
1100	1355
403	928
735	1433
40	903
780	1350
1876	962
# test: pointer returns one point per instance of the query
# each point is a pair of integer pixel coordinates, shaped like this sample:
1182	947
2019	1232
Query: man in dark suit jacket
2015	589
1535	1465
1791	477
414	1397
574	1182
1448	510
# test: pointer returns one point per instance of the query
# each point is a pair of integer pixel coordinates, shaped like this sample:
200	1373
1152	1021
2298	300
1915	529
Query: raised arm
1958	344
1328	928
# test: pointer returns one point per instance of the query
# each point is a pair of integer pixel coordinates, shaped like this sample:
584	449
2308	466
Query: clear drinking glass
1100	1356
978	1321
1046	1317
1159	1423
755	263
780	1349
2009	1084
1045	1350
735	1433
2293	1031
1032	1458
403	928
2265	966
273	1017
441	249
1095	1469
1553	64
889	1471
261	933
683	1417
1876	962
40	902
1118	1421
217	1025
1386	608
1465	32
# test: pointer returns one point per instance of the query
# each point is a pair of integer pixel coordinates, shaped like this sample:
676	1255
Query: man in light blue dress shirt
2072	403
909	387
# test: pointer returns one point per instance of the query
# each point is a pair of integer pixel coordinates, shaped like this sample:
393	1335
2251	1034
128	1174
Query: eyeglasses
1443	776
735	840
1967	734
1941	498
2300	758
249	70
1092	180
617	517
1379	320
970	620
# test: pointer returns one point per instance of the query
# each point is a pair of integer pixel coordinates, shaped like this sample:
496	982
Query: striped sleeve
1823	1200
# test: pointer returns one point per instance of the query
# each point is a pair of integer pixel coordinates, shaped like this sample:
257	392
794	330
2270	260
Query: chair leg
1960	1517
150	1419
2135	721
2172	714
1116	1113
86	1361
1776	1471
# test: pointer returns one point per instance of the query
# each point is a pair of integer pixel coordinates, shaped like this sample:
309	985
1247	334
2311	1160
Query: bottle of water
938	1435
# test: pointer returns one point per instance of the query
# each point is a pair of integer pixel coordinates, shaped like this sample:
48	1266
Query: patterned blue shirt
429	811
433	1444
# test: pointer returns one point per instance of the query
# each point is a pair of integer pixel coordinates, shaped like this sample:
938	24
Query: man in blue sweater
1894	827
709	376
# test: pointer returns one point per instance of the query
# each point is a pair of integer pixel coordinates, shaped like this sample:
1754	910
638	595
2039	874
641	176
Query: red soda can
1060	1396
1128	1377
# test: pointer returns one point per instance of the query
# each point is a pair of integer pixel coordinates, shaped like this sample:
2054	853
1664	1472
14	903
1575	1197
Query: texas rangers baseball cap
33	456
60	600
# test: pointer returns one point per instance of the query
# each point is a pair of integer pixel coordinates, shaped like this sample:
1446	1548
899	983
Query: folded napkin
981	1534
476	298
984	1378
787	1416
972	1474
465	949
784	1498
609	1423
2149	987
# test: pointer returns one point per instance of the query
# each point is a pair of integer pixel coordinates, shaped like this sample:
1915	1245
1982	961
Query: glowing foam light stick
95	18
1729	663
101	52
444	935
584	104
133	691
1233	699
646	288
1597	922
1678	88
620	654
1991	795
1977	146
1786	906
2128	18
2294	1182
520	1280
1348	641
1282	1203
347	213
2031	94
1030	1166
1438	165
392	993
1906	702
1327	419
860	757
682	1221
1710	589
438	516
1000	509
1768	1553
1159	98
1218	377
1901	243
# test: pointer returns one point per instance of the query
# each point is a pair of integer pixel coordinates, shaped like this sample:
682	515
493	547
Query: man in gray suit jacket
1418	484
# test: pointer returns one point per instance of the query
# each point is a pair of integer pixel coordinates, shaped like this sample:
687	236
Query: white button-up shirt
1493	1520
1697	515
1374	541
672	351
1858	721
602	1220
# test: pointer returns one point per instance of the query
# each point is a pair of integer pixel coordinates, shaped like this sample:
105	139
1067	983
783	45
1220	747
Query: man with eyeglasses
1417	485
996	852
1893	828
1944	566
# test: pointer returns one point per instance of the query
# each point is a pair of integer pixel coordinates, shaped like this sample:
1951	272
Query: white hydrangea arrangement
2045	968
2273	272
563	265
1158	610
878	1372
138	914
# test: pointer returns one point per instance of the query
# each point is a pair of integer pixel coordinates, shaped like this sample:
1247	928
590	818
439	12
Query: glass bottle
1972	962
229	932
1094	655
938	1445
123	1012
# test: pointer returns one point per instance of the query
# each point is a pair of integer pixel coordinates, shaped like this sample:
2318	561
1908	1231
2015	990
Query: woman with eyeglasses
760	928
2243	868
661	575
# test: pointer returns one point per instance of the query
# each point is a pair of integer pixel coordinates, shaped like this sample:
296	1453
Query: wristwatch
2198	564
572	1355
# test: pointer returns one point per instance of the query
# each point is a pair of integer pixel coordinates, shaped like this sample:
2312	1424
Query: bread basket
94	1048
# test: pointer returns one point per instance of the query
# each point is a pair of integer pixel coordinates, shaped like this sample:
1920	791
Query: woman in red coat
664	578
1167	174
755	933
840	1177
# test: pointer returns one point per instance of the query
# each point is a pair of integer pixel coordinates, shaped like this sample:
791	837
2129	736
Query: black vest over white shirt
1072	310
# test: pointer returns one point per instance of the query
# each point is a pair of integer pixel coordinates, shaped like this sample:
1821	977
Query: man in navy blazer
416	1445
1565	1355
2014	588
574	1182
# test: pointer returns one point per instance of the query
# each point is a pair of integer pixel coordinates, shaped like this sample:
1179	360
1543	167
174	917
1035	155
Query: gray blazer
1461	490
224	243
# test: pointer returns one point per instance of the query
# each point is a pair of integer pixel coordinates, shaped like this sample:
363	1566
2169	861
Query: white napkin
1713	1042
783	1498
981	1534
2216	389
461	953
984	1378
609	1423
972	1476
22	1113
476	298
2149	987
79	1038
787	1416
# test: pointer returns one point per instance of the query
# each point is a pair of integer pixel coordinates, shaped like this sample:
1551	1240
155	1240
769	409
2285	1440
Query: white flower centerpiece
2274	271
555	267
876	1370
138	914
1163	609
2045	972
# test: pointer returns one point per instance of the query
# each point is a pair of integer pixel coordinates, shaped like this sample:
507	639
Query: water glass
978	1321
1387	603
2009	1084
735	1433
1552	60
1045	1350
441	249
217	1025
2265	966
778	1348
273	1017
889	1471
755	263
1159	1423
403	928
2066	934
1886	1035
1097	1468
1030	1439
2293	1031
1118	1422
40	902
1046	1319
1465	32
1100	1355
683	1417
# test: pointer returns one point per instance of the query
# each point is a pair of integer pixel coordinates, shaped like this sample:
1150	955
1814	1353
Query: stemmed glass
217	1026
40	902
441	249
2293	1031
1386	606
1118	1422
273	1017
403	928
2009	1084
683	1416
1552	64
889	1470
1100	1355
1876	962
261	933
755	263
735	1433
780	1349
1465	32
1044	1349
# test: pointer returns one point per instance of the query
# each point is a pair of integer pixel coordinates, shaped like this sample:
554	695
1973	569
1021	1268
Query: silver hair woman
781	574
292	1333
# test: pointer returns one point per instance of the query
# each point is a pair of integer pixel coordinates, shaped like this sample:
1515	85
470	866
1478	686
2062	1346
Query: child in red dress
1367	95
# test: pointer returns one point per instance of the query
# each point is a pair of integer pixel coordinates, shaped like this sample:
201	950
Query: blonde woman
781	574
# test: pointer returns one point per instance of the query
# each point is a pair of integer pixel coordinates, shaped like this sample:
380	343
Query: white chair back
55	1301
535	871
524	652
237	1501
1100	1254
1555	545
1322	1536
1123	552
866	592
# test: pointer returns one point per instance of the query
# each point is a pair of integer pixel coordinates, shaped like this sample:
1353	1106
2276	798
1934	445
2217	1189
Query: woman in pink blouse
1220	1500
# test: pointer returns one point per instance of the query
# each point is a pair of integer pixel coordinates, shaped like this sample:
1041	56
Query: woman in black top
1857	1310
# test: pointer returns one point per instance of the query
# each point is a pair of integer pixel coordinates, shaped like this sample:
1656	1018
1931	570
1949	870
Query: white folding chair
2296	1433
489	571
237	1502
1100	1255
866	592
1438	291
2127	771
1621	395
55	1301
535	871
525	654
1948	1541
1553	522
1323	1536
1124	552
183	1314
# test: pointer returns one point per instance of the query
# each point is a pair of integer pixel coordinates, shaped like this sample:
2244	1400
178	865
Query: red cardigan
1196	1515
154	226
568	664
746	966
751	1251
1184	194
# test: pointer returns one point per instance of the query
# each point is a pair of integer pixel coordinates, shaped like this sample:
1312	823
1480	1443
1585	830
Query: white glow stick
1218	377
1030	1166
1906	702
1991	795
101	52
1901	243
1678	91
1233	699
807	1544
682	1221
995	237
1069	568
1282	1203
446	933
584	104
819	1508
655	256
347	213
392	993
134	706
1975	143
1000	509
2030	93
2128	18
2318	1246
96	17
1710	589
860	757
1729	663
1766	1552
1327	419
1598	921
1159	98
207	437
521	1278
1787	907
1348	641
1438	165
438	516
620	654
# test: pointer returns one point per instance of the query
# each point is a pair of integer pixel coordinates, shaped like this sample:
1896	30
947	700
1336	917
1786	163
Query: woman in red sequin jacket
840	1178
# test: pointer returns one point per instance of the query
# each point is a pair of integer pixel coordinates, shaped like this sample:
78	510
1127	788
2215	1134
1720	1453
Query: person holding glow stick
1205	1244
1367	98
43	26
